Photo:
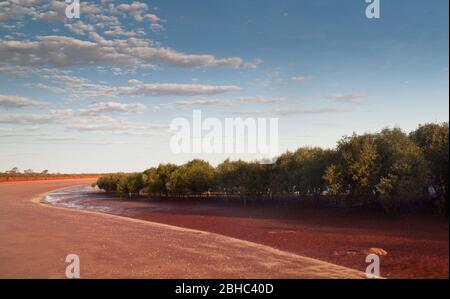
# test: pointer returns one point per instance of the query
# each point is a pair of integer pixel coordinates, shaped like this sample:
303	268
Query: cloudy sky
98	93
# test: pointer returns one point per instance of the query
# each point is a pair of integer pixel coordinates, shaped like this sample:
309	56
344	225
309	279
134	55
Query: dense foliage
389	169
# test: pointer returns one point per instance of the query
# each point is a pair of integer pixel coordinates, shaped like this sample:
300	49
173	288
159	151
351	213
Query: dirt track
35	240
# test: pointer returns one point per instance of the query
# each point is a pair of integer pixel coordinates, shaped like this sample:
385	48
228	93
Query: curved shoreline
41	197
417	247
38	200
36	240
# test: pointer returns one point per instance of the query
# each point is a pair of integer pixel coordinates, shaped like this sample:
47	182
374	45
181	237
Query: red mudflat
417	246
36	239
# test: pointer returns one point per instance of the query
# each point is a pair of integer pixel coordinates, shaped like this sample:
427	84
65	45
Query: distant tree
157	179
178	182
251	178
200	176
14	170
225	178
309	169
389	169
44	171
194	177
150	177
334	179
109	182
354	170
283	179
385	168
402	171
433	140
130	184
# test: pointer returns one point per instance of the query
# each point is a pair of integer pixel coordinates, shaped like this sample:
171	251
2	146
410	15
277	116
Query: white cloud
69	79
252	65
174	58
80	87
80	28
224	102
134	9
25	118
108	107
62	113
7	26
134	81
53	11
155	27
13	10
292	111
87	7
119	31
260	100
300	78
198	102
356	97
53	89
63	51
60	51
116	126
90	118
16	70
167	89
152	18
56	138
106	20
76	87
9	101
54	115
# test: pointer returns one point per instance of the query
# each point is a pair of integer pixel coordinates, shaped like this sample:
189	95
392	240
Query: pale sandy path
35	239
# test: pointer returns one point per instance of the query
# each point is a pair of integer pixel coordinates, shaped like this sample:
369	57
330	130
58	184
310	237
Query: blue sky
97	93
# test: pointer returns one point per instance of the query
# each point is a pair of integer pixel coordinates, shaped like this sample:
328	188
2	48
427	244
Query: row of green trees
390	169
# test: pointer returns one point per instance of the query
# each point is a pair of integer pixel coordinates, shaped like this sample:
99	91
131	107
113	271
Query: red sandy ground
417	246
36	238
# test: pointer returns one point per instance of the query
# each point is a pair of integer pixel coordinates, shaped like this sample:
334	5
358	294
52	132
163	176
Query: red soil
417	246
36	238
